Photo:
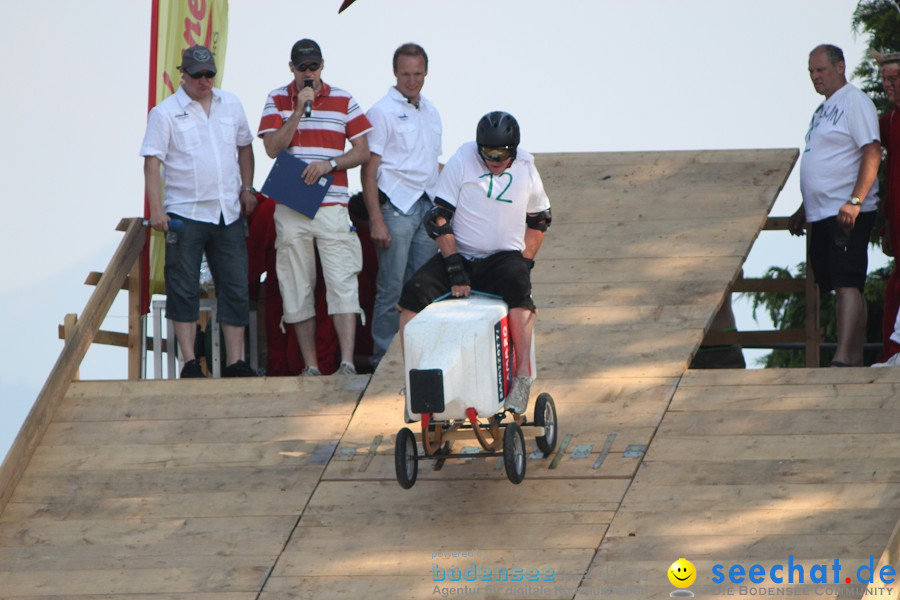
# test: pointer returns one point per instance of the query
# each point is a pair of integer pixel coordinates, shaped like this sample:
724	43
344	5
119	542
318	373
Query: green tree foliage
788	311
880	21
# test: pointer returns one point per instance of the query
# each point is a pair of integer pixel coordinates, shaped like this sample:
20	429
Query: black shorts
505	274
840	260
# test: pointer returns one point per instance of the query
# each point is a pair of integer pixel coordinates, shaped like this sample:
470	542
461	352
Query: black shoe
191	369
239	369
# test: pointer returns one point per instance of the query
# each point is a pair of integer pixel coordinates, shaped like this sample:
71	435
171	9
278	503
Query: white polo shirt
199	154
841	125
490	209
408	139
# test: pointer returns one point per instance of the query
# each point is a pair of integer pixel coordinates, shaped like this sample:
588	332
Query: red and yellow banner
175	26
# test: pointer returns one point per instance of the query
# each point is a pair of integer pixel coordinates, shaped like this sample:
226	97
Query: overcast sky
580	76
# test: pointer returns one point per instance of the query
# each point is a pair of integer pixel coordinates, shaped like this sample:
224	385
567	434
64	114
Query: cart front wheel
514	453
545	416
406	458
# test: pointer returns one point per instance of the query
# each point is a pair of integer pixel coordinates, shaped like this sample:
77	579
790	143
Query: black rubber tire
406	458
545	416
514	452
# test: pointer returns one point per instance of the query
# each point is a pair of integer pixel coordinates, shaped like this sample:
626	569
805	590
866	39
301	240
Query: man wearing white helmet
489	220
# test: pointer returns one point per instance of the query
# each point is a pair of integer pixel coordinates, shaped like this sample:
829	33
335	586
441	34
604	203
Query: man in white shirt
201	136
838	181
398	185
489	220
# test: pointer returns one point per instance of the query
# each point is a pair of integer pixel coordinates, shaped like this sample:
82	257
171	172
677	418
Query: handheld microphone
307	106
175	225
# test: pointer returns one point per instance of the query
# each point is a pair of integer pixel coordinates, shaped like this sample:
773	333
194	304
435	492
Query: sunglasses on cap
496	153
307	67
202	75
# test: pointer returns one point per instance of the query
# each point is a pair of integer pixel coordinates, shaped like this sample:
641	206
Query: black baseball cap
198	59
305	51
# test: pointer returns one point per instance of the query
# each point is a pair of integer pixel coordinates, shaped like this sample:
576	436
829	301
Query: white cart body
467	340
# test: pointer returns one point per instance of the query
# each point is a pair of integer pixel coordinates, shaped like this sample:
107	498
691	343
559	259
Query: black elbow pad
540	221
441	209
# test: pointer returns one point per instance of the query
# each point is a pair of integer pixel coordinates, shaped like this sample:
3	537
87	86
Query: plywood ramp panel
626	284
170	488
751	467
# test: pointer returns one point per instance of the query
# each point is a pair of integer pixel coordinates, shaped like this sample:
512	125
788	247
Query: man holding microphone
313	121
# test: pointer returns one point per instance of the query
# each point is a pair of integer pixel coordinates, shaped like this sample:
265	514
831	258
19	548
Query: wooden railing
122	273
810	336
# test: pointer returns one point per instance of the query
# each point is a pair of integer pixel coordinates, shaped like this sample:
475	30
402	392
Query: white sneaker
310	372
893	361
346	369
517	399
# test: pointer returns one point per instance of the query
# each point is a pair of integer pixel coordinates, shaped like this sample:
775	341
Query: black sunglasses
307	67
204	74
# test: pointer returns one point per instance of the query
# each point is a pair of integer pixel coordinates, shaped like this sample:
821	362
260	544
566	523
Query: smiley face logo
682	573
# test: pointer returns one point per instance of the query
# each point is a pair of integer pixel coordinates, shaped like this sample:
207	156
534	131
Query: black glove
456	270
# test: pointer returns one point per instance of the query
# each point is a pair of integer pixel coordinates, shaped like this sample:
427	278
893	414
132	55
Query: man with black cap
489	218
313	121
201	135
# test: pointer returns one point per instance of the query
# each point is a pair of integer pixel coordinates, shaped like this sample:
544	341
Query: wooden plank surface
228	488
754	466
170	487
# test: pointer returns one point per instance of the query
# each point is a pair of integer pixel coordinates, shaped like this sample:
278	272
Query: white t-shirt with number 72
490	209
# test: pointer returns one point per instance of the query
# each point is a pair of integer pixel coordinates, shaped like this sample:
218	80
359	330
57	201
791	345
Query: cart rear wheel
406	458
514	453
545	416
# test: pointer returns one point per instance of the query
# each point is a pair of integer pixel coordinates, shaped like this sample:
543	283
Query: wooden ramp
170	489
631	274
751	467
285	488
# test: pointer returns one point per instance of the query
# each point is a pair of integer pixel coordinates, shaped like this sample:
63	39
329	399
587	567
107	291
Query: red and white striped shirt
336	117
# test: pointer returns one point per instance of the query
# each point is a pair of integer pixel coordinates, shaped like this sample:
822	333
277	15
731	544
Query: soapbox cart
459	364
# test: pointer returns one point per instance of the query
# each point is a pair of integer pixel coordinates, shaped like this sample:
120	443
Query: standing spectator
890	139
839	187
398	186
200	134
319	139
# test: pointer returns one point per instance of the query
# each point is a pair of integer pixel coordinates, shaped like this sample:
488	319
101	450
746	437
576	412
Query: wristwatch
251	189
855	201
333	164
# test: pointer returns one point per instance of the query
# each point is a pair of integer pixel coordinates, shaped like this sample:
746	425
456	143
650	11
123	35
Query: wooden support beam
66	330
135	322
813	334
93	278
777	336
776	224
787	286
113	338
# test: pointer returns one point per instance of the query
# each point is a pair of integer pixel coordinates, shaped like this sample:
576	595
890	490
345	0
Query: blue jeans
226	253
410	249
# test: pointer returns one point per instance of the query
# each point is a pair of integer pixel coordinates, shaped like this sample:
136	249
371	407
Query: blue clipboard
286	186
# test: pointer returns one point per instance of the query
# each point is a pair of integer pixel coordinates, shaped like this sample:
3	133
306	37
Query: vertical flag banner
175	26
